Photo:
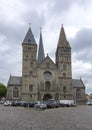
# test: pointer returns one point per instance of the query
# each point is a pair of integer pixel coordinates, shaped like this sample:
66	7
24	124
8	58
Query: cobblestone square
67	118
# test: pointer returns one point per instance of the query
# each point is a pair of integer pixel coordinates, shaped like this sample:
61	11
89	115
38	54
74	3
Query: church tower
29	66
63	63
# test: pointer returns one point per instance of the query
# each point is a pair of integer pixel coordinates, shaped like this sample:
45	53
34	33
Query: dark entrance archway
46	97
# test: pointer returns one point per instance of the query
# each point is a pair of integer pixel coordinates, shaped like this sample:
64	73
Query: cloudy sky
76	17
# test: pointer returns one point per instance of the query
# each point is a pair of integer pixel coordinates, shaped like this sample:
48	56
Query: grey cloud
16	33
27	2
83	3
36	20
10	62
82	45
13	33
83	39
53	6
84	55
88	84
59	5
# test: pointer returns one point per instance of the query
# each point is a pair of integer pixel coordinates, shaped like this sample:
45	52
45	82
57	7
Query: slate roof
15	80
77	83
62	42
41	55
29	38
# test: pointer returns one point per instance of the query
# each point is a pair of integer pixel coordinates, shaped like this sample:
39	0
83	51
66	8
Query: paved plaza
67	118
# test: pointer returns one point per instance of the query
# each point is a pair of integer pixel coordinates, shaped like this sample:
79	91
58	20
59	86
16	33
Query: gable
47	63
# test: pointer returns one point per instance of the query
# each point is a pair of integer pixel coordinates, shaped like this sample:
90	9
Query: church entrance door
47	97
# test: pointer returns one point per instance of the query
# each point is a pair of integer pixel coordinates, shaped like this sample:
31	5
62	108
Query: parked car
7	103
31	104
24	103
40	105
89	103
16	103
1	102
51	103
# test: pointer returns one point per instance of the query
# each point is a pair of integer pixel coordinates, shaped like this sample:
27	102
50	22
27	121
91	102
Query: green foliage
3	90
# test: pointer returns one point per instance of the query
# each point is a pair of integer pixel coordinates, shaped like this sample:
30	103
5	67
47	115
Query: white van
67	103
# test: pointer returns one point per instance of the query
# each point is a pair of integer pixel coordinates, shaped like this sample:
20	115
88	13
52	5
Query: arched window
64	66
47	85
31	72
47	75
30	87
64	89
64	75
15	92
78	94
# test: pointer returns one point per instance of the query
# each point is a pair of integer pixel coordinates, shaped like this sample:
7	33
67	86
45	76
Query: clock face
47	74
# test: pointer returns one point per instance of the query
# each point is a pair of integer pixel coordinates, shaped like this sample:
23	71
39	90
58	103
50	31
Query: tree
3	90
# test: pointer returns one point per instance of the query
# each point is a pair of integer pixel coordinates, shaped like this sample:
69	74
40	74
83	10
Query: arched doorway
46	97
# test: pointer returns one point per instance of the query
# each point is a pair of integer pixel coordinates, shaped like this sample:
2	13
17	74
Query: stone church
42	79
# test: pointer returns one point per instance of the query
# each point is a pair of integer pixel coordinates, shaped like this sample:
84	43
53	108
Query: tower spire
41	55
29	24
29	38
62	42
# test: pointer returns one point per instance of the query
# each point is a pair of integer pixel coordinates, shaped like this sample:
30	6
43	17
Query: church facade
42	79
